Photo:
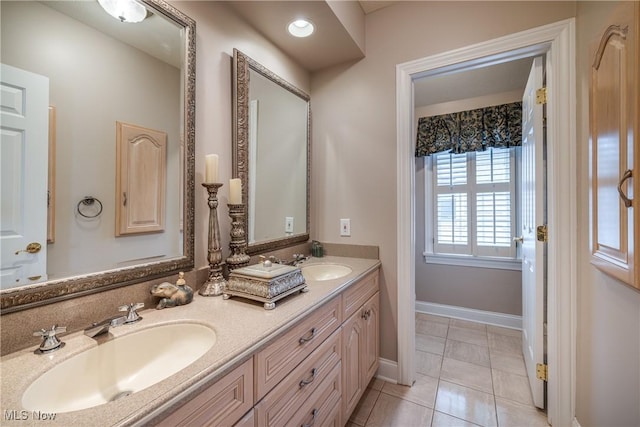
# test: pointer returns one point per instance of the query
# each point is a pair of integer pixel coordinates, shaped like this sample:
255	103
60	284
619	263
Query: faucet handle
50	341
46	333
132	315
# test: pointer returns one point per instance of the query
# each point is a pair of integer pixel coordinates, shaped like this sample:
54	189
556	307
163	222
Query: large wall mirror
271	155
108	87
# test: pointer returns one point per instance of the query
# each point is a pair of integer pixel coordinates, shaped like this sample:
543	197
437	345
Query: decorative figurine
173	295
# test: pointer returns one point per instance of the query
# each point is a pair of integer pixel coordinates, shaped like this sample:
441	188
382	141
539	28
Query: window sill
469	261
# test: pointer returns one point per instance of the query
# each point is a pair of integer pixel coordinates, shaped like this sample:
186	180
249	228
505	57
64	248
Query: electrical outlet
345	227
288	224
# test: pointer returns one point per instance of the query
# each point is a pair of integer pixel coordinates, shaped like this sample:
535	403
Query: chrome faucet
103	327
99	328
297	259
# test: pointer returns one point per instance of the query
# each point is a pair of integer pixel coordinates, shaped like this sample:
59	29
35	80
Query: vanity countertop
241	329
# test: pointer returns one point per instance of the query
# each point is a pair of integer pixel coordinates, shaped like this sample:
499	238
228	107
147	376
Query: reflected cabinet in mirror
97	148
271	155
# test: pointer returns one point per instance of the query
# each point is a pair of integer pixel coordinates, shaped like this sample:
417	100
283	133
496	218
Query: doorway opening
480	259
556	41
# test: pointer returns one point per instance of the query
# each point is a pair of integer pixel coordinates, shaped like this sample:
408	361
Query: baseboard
575	422
387	371
489	317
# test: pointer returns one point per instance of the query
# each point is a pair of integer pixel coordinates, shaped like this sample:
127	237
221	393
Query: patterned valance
472	130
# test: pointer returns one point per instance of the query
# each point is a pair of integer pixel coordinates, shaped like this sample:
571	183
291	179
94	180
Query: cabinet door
613	130
353	384
140	179
371	348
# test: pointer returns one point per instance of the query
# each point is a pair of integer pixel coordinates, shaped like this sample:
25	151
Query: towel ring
89	201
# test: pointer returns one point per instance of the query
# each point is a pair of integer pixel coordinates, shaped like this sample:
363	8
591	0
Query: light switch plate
288	224
345	227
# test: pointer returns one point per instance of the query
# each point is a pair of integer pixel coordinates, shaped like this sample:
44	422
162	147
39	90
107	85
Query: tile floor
469	374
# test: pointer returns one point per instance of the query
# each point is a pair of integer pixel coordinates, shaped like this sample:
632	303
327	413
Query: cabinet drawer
334	418
274	363
354	297
319	409
222	404
284	401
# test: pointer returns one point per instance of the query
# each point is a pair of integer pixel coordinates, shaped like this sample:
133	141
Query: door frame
557	41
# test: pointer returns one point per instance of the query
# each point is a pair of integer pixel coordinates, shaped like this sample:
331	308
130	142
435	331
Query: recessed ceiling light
301	28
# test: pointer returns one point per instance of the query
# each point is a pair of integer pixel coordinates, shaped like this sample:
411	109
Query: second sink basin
320	272
119	367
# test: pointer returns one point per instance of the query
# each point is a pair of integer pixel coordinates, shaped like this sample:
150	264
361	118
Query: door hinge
542	234
541	95
542	372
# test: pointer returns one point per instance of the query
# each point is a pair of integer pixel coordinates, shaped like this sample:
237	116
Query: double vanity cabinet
313	374
307	362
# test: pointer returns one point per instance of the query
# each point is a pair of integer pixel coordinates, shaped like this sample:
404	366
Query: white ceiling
330	44
369	6
505	77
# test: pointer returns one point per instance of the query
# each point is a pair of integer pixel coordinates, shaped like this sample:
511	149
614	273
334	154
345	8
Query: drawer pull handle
310	380
366	314
313	419
304	340
627	174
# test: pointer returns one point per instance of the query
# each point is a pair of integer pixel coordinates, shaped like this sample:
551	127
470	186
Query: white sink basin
321	272
119	367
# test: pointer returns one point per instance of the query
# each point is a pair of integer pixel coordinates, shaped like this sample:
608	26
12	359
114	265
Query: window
471	208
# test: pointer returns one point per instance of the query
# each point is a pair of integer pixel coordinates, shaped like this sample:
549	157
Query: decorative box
265	283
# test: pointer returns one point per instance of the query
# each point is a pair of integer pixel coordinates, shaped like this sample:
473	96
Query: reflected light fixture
129	11
301	28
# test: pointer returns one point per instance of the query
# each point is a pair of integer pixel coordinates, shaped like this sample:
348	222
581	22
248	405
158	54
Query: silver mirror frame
241	66
12	300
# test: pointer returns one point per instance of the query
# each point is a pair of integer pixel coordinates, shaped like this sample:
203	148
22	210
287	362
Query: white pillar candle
235	191
211	168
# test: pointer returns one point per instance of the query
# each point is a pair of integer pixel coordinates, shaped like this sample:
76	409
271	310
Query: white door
532	215
24	100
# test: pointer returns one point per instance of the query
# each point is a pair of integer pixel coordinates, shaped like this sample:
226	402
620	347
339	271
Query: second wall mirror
271	155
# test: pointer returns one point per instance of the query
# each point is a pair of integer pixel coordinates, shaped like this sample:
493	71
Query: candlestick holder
238	242
216	283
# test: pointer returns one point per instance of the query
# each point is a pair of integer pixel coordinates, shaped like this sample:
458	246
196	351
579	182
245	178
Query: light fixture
129	11
301	28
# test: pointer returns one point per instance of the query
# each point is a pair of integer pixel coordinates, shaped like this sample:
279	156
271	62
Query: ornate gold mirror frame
22	298
242	64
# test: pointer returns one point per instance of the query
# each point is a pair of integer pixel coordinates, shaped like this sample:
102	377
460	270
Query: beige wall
354	126
608	317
